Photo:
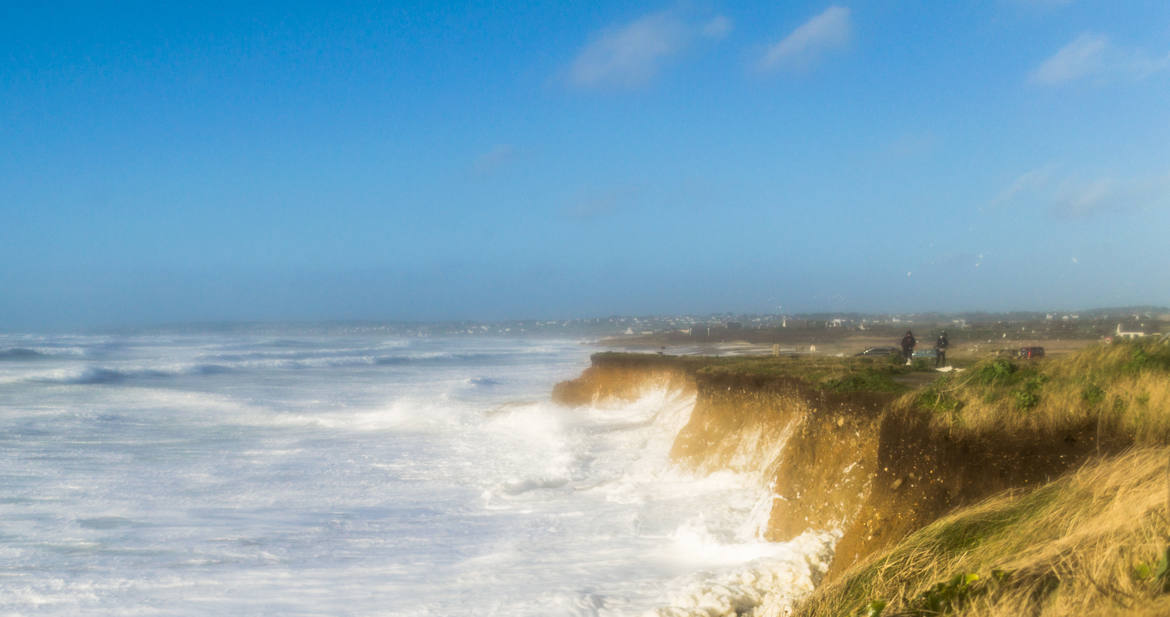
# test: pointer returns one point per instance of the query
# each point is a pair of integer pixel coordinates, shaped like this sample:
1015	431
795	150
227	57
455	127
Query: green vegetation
1092	394
1122	385
1028	394
1148	357
831	374
939	397
995	372
949	596
865	380
1156	574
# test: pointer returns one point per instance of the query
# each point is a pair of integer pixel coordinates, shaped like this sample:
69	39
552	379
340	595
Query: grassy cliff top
837	374
1123	387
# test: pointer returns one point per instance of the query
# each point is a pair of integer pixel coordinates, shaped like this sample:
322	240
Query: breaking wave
711	525
99	375
767	586
439	472
21	353
237	363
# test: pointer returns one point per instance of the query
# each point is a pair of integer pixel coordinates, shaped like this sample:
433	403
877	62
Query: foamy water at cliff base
299	473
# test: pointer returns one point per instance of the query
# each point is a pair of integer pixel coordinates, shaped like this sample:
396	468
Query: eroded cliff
816	448
839	448
625	377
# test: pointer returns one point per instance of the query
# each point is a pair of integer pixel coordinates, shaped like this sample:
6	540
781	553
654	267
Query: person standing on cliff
940	350
908	343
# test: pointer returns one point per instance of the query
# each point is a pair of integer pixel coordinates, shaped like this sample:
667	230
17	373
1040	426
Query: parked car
880	351
926	353
1031	352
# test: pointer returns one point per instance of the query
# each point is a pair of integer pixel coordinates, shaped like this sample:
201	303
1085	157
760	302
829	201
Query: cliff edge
844	444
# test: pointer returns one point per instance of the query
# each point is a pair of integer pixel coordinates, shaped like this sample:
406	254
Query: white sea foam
766	583
307	477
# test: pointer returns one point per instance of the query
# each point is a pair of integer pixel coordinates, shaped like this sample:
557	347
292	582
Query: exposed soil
923	473
828	465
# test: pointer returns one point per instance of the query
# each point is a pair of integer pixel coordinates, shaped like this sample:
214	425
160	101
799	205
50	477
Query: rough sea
336	474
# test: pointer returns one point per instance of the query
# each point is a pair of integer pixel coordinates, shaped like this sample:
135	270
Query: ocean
312	472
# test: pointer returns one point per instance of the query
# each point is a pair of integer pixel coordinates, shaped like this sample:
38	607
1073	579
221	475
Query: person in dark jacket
908	343
940	350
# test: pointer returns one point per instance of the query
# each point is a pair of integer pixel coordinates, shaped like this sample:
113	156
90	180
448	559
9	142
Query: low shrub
997	372
869	380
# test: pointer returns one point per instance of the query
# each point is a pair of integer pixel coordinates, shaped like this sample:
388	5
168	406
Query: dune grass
1124	387
1095	542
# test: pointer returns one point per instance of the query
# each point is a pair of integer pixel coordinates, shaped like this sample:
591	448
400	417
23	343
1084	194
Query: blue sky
484	161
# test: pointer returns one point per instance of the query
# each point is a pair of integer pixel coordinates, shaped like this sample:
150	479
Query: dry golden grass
1087	544
1124	388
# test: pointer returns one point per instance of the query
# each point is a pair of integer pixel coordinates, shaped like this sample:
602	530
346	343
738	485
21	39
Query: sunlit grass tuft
1124	388
1094	542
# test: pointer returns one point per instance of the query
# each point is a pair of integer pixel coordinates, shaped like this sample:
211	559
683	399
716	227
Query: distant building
1132	334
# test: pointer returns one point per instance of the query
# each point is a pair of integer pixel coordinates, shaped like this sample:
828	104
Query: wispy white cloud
1094	56
1083	56
629	55
1028	182
1077	197
718	27
1142	66
492	160
1066	195
1083	197
826	32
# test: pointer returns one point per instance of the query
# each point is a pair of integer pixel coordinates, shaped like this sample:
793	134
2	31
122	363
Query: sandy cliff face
816	450
738	426
924	472
621	379
828	466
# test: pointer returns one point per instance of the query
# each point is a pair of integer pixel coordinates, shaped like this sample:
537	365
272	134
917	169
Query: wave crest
100	375
22	353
